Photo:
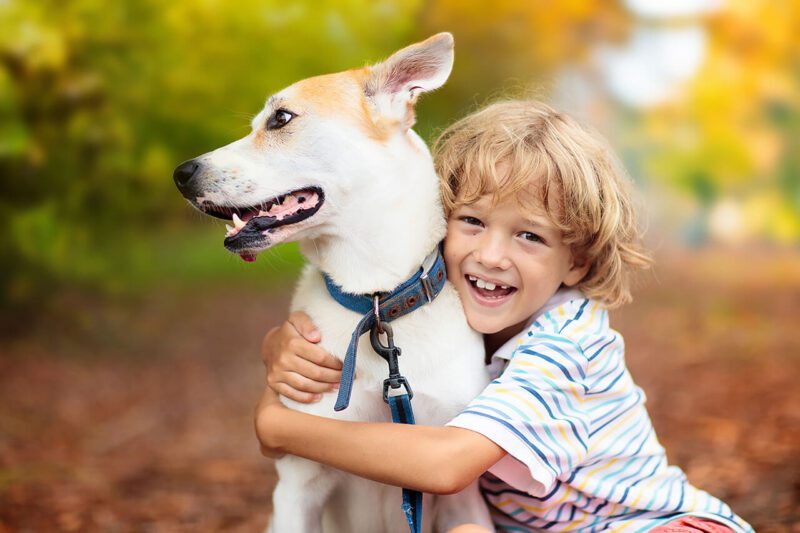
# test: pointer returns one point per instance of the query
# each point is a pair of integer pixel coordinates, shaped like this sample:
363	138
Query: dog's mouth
257	227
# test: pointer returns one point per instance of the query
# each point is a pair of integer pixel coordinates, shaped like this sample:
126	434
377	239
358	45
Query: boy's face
505	264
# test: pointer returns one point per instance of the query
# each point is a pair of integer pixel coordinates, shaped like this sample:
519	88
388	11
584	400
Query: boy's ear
394	85
580	267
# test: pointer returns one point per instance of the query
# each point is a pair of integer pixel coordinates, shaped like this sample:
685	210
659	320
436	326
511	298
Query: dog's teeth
230	228
480	283
490	286
237	221
262	213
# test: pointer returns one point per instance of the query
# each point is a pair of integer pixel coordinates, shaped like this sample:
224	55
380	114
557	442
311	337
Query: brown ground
136	415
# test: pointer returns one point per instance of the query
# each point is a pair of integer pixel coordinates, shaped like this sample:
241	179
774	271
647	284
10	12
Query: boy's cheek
454	247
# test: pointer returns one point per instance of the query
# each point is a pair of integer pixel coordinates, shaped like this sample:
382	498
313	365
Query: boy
541	236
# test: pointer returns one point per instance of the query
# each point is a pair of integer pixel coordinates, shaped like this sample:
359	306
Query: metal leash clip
389	353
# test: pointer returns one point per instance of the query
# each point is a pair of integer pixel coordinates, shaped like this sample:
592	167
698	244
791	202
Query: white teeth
483	284
237	221
230	228
261	213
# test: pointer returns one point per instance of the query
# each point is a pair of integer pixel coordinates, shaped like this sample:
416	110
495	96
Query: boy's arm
440	460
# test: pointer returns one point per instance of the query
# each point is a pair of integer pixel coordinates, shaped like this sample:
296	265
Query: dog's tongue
248	257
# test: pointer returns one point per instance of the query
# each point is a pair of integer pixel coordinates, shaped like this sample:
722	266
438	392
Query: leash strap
349	365
400	407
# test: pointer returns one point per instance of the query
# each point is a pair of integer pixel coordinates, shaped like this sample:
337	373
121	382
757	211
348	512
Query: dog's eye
279	119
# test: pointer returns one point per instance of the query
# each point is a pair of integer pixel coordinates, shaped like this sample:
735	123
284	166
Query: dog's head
312	143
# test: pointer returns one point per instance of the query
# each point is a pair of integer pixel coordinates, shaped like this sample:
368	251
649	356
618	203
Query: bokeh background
129	338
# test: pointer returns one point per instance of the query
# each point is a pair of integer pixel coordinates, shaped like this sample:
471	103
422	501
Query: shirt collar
561	296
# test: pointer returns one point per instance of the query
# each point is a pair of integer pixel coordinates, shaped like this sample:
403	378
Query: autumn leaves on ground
136	415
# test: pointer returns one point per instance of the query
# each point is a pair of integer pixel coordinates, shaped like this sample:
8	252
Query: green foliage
100	101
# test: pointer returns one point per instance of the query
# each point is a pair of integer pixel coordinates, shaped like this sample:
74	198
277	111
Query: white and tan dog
332	162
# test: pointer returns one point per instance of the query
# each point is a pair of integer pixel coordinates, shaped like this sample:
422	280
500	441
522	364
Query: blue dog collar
421	288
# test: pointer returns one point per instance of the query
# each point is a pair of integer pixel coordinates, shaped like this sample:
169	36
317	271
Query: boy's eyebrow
538	224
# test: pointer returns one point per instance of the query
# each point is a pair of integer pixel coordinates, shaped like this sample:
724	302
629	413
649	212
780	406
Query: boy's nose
493	253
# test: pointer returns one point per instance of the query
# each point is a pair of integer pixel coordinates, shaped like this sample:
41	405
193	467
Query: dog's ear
395	84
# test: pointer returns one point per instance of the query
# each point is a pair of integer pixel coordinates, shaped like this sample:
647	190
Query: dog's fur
380	215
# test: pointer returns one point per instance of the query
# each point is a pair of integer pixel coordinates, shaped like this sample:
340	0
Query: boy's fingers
303	324
314	354
303	384
303	397
317	373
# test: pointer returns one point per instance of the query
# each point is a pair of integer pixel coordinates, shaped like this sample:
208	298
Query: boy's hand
297	367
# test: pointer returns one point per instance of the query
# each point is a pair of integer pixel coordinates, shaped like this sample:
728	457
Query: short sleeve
535	412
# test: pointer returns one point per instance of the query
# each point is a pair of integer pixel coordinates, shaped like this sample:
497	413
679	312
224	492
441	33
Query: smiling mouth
489	291
256	227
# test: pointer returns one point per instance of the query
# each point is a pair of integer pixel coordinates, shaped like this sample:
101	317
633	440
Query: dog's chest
440	355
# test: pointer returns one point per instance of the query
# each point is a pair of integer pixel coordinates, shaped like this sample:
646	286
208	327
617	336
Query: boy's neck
493	341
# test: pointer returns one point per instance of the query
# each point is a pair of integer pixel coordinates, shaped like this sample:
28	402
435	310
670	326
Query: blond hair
547	155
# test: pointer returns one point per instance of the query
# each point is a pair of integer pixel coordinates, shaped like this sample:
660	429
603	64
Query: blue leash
400	406
379	310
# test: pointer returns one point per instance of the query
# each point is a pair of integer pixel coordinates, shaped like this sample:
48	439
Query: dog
332	162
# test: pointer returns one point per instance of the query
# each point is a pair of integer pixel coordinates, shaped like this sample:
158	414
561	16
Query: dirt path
123	416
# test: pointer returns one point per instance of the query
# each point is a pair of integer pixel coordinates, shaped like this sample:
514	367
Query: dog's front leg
466	507
300	495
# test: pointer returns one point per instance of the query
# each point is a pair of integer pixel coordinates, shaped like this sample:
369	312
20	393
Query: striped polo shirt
582	453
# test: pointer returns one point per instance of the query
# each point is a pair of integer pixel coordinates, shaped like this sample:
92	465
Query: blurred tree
99	101
734	133
513	47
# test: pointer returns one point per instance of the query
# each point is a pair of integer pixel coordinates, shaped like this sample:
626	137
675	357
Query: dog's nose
183	175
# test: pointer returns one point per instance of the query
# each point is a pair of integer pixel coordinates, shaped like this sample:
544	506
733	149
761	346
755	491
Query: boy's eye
471	221
530	236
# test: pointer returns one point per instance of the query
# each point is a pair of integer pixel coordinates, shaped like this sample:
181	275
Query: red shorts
692	524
